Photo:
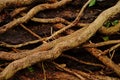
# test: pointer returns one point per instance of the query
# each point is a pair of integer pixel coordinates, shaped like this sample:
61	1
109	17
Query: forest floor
75	60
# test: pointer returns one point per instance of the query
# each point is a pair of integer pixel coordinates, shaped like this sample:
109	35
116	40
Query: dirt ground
47	70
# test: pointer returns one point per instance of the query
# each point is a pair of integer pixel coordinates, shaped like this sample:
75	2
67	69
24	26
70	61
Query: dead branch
31	13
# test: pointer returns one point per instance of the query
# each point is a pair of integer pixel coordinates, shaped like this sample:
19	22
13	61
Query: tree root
111	30
8	3
31	13
86	76
102	43
54	49
69	71
108	62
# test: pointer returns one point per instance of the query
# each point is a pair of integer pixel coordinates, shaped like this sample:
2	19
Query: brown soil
69	12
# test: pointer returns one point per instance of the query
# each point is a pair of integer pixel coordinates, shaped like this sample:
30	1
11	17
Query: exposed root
54	49
69	71
17	11
111	30
100	44
8	3
71	24
31	13
31	32
43	47
114	47
80	61
104	59
95	76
